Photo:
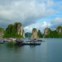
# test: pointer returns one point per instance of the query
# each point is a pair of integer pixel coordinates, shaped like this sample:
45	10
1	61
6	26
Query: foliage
11	31
28	35
1	29
40	35
55	33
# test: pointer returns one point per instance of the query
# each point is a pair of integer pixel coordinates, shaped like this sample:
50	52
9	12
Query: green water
49	51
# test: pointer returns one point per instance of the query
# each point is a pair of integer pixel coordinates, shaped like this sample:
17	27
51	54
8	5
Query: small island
15	33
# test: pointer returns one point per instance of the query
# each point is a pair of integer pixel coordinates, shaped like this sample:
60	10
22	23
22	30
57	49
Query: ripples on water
49	51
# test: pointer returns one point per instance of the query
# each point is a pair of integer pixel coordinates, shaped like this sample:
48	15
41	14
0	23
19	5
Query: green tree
1	29
11	30
59	31
1	32
17	25
54	34
47	33
40	34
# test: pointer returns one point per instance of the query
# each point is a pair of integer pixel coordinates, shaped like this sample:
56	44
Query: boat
32	42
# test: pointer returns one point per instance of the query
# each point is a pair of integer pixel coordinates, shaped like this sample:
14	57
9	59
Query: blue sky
31	13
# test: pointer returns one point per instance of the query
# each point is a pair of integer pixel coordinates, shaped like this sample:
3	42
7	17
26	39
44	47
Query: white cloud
24	9
41	26
58	20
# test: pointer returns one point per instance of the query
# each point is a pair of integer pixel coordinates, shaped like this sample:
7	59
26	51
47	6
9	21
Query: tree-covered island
16	30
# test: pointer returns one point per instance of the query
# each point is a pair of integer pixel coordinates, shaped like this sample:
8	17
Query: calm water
49	51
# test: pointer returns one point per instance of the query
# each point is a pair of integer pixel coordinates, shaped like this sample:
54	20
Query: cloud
28	12
41	26
58	20
44	24
25	9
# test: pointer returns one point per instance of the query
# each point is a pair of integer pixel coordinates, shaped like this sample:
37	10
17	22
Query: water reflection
48	51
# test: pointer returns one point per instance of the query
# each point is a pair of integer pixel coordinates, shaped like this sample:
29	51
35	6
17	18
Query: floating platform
20	42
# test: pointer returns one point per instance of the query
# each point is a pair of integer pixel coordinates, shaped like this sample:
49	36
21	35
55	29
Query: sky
31	13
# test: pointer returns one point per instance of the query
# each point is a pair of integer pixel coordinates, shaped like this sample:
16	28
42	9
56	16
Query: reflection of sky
31	13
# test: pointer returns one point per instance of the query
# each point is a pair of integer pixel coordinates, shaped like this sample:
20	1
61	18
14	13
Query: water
49	51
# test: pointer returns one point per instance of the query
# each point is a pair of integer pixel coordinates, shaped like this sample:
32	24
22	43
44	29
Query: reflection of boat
31	42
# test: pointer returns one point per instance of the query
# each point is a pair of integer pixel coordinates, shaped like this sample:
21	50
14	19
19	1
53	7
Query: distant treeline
48	33
52	34
11	31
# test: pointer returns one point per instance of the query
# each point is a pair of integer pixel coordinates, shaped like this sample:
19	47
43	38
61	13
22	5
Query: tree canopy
11	30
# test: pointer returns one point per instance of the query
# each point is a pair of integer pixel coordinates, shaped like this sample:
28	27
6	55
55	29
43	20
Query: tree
1	29
59	31
40	34
28	34
17	25
47	33
1	32
54	34
11	30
